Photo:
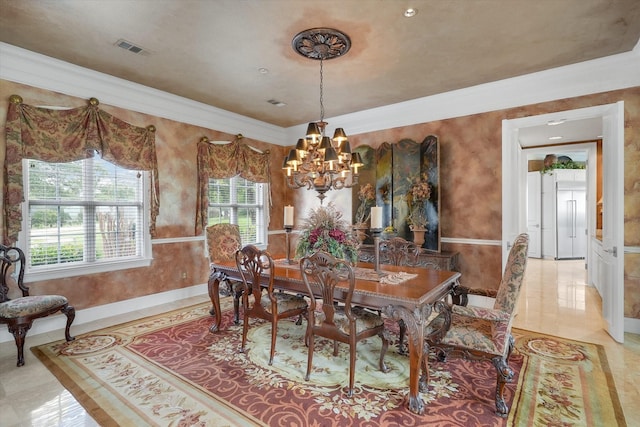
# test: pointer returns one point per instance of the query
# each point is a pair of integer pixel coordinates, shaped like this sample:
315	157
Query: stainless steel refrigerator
571	222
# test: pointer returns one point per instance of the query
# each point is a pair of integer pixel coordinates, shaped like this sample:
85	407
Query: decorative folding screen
391	168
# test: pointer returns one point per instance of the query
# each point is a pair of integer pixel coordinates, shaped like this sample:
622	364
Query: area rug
169	370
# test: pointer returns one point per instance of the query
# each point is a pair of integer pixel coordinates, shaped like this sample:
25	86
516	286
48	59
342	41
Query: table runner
386	277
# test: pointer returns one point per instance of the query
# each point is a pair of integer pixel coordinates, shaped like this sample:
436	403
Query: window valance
226	161
68	135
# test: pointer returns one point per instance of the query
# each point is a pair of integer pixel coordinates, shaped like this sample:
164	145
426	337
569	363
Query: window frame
58	271
234	205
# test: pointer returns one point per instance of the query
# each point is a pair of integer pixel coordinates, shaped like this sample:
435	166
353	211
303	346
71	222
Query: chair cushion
28	306
365	320
474	334
286	302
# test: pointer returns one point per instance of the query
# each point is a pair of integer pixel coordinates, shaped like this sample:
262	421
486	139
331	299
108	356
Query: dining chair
223	241
256	266
398	251
321	273
18	313
481	333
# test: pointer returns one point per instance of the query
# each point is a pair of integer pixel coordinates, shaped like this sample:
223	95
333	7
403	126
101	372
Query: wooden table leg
415	336
214	285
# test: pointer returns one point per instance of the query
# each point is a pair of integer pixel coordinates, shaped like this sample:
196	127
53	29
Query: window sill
61	272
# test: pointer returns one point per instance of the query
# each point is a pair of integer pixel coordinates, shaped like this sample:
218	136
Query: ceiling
213	51
561	133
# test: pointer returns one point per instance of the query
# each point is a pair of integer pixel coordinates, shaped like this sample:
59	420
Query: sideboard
428	259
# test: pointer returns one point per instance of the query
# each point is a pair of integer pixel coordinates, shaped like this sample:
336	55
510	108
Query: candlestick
288	216
287	229
376	247
376	217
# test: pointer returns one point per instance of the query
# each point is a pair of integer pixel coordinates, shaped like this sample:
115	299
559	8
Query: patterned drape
65	136
226	161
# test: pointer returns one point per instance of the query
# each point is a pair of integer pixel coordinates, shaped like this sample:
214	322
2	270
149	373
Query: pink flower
337	235
313	236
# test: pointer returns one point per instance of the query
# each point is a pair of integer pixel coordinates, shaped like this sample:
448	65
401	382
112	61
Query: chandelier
318	162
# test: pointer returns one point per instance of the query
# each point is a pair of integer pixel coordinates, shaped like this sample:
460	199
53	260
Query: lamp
319	162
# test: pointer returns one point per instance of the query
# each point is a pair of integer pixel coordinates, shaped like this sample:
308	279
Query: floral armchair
223	241
481	333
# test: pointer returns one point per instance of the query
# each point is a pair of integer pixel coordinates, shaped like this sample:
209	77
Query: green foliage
49	218
48	254
563	165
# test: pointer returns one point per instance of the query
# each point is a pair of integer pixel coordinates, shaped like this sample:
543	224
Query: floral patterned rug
170	370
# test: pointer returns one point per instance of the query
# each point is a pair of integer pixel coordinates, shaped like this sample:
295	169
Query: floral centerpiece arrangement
419	192
367	197
325	230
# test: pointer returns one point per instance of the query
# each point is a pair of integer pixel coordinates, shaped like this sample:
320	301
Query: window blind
84	211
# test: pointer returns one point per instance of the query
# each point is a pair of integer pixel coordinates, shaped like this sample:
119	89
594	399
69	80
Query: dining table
410	296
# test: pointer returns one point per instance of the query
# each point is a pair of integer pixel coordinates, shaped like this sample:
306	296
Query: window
84	217
239	201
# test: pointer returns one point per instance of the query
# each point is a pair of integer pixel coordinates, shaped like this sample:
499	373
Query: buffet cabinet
427	259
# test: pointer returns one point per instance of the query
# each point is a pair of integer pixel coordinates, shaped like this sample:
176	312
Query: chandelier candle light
288	226
319	162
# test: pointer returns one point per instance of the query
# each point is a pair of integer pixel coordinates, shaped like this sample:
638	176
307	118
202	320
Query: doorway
607	254
544	235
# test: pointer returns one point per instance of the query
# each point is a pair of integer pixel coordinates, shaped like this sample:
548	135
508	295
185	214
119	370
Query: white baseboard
632	325
57	322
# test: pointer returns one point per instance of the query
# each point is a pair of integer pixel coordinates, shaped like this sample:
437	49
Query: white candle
376	217
288	216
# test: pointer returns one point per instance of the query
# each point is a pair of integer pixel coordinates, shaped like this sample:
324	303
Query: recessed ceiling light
556	122
411	12
276	103
555	137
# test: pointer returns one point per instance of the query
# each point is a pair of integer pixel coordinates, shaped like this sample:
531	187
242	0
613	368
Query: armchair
223	241
20	312
481	333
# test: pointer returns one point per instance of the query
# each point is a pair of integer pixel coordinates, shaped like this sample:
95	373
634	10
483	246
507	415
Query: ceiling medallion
321	43
318	162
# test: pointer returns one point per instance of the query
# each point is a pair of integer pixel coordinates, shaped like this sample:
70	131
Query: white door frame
514	184
592	153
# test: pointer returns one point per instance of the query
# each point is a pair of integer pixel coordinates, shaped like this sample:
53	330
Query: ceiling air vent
131	47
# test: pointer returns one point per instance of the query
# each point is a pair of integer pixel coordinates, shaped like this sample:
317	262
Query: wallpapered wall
470	174
176	151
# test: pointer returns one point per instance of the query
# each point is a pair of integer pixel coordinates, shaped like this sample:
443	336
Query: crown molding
605	74
599	75
33	69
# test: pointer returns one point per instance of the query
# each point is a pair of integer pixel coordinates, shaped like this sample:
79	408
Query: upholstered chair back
223	241
513	276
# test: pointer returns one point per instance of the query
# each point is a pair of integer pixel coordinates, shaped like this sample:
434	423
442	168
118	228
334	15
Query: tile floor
554	300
